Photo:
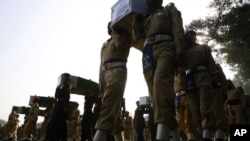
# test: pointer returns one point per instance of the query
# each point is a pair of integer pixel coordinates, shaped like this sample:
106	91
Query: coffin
43	101
83	86
122	13
25	110
145	100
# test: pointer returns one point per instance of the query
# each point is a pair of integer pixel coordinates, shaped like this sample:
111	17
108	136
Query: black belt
196	69
157	38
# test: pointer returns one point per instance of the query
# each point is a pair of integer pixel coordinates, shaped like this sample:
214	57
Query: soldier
151	124
218	103
21	129
128	127
123	108
234	105
243	98
87	119
11	127
139	126
113	76
120	124
13	131
79	129
163	35
72	122
96	111
47	116
182	108
138	108
200	73
9	124
29	130
57	126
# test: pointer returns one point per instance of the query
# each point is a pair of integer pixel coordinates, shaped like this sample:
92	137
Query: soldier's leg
190	126
100	135
206	108
118	128
220	114
115	80
163	94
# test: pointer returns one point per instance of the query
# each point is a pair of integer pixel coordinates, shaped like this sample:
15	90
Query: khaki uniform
163	35
21	129
184	116
113	76
234	107
8	125
219	101
72	124
79	129
10	129
13	131
201	68
128	131
30	127
45	123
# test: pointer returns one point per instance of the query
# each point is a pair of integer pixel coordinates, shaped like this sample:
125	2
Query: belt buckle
188	71
158	37
107	65
152	39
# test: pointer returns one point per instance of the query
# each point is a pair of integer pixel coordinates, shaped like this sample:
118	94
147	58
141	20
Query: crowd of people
191	99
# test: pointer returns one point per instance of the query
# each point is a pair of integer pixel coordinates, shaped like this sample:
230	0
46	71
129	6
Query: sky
40	39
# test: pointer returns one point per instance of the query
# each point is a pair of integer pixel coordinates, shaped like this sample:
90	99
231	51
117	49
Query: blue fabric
190	86
147	59
177	101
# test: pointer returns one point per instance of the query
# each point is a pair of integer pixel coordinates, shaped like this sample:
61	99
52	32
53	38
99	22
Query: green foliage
229	27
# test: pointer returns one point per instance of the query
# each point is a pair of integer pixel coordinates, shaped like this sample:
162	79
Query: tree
230	29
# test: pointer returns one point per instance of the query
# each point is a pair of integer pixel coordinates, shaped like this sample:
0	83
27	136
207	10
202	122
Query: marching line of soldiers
191	99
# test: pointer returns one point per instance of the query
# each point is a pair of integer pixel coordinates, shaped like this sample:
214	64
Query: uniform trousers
57	126
200	101
160	82
220	112
236	115
184	115
109	119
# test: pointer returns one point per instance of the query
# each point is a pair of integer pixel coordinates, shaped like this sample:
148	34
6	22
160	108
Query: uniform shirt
75	114
115	48
200	55
12	115
165	20
63	93
33	112
233	95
